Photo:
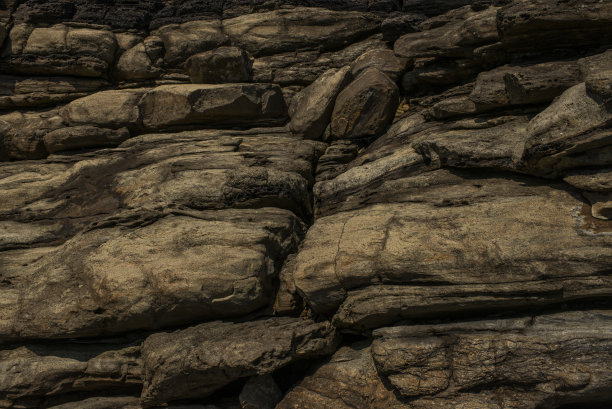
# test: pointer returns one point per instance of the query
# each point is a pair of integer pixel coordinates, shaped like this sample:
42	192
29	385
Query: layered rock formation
306	204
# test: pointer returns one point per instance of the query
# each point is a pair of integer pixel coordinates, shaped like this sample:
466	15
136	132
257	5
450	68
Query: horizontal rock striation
263	204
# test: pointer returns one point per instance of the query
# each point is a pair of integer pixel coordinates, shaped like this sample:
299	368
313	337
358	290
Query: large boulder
312	108
199	360
131	220
365	107
142	61
369	265
468	364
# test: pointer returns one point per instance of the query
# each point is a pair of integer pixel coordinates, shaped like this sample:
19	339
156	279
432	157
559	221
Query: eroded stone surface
226	352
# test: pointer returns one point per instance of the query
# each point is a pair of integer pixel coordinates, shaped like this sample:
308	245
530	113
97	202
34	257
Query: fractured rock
223	64
312	108
199	360
301	27
365	107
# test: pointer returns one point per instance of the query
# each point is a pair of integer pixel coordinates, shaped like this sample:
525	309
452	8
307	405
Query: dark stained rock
365	107
540	25
224	64
394	27
199	360
260	392
311	110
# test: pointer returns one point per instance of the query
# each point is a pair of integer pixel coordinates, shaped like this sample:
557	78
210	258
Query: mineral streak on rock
326	204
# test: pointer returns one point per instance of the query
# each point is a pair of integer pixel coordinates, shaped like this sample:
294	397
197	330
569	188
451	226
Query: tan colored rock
22	133
348	380
65	50
365	107
122	206
370	266
558	358
23	92
599	180
199	360
184	40
106	109
142	61
312	108
300	27
177	270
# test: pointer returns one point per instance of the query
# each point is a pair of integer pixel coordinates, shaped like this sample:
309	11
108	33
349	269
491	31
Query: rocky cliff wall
306	204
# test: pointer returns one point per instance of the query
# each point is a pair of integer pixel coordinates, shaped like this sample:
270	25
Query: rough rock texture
365	107
197	361
336	204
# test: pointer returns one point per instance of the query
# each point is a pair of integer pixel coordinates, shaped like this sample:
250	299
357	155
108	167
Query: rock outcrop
265	204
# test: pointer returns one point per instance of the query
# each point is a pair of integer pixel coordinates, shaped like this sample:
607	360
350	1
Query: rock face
265	204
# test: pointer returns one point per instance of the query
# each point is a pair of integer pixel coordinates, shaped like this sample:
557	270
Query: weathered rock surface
197	361
312	108
204	200
223	64
65	50
35	374
531	362
365	107
287	30
368	265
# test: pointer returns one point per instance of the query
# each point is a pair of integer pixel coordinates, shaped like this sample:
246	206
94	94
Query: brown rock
301	27
79	137
312	108
184	40
199	360
369	265
32	374
365	107
382	59
252	104
66	50
223	64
